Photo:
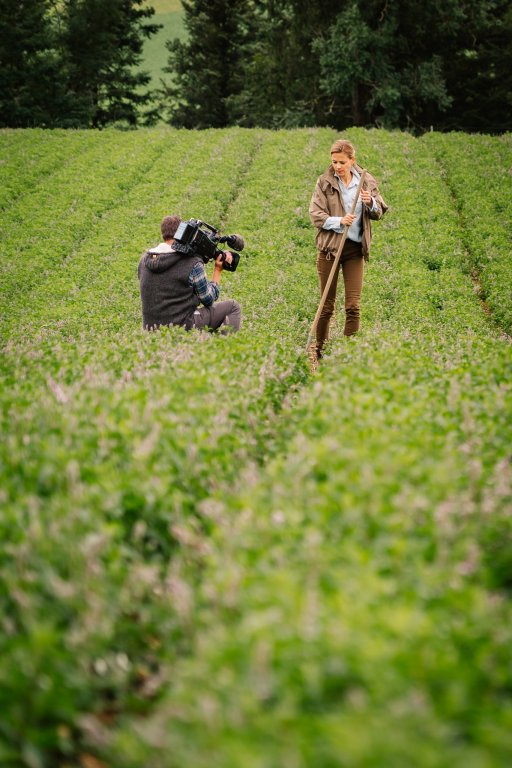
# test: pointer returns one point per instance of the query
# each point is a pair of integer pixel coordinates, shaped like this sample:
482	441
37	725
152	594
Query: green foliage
202	65
379	81
100	74
411	65
444	63
70	63
211	556
276	81
480	166
484	65
32	91
247	64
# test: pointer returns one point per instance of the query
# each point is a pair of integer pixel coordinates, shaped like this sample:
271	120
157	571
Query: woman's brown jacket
327	201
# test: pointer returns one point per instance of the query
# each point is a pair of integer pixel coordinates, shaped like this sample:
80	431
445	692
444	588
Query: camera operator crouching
173	285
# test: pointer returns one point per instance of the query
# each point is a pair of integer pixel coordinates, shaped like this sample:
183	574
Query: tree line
407	64
73	63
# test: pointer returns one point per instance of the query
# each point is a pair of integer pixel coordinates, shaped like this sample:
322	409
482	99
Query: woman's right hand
348	219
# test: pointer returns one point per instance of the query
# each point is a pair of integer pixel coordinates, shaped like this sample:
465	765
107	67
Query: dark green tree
203	68
390	63
247	62
32	89
480	77
72	63
412	65
102	42
276	83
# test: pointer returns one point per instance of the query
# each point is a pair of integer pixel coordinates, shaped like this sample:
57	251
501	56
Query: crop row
478	172
272	569
29	157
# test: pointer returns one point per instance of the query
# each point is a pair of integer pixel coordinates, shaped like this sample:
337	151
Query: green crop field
213	555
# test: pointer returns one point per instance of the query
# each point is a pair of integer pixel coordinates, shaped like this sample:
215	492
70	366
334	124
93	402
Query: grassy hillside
165	6
211	554
169	14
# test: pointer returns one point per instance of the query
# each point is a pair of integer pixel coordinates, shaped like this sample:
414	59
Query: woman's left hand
366	197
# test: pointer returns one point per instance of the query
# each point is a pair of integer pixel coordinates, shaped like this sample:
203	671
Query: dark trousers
352	267
224	316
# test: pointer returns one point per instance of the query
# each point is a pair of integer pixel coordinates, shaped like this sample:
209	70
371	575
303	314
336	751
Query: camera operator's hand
222	258
219	266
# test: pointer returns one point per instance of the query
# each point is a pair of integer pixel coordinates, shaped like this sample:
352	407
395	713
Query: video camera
196	238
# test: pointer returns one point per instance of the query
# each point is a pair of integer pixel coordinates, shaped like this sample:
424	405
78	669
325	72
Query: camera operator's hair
169	226
344	146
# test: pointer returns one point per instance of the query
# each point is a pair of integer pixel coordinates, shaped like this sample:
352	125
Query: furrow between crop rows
478	173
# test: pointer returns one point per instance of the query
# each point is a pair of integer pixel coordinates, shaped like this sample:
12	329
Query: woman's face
342	164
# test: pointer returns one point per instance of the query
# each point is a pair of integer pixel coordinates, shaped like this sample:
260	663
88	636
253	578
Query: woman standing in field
329	210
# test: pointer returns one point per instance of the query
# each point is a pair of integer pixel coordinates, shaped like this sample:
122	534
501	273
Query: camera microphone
234	241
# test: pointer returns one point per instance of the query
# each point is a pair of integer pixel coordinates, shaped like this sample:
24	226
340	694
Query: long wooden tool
336	262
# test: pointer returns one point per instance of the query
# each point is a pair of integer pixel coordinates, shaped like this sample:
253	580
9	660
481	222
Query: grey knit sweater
166	295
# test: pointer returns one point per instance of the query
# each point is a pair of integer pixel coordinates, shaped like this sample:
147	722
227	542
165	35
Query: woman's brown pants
352	266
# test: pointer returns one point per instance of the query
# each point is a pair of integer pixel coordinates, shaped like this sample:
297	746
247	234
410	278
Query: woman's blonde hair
342	145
